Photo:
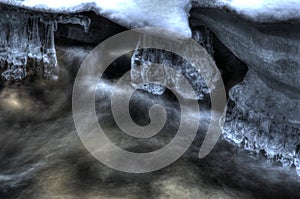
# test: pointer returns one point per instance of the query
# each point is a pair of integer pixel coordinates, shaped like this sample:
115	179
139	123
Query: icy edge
170	14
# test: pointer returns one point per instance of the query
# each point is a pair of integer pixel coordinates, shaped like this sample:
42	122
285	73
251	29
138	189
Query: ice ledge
169	14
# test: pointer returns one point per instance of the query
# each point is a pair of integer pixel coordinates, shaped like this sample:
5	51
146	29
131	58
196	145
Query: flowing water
42	156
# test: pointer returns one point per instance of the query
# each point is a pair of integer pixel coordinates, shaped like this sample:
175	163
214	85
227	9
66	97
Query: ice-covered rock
277	54
264	113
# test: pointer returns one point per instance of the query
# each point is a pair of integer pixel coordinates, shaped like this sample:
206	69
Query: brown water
42	156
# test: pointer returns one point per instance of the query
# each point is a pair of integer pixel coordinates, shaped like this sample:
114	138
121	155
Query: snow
170	14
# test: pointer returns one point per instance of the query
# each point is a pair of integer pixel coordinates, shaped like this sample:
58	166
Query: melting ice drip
143	68
262	119
28	38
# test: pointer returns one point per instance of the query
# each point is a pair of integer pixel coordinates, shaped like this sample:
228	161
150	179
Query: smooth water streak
93	136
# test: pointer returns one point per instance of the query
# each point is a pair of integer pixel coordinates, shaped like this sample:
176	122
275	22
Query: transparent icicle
17	49
49	54
34	44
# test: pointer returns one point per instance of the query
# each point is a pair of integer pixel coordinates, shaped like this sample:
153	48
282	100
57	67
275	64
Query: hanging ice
263	119
143	68
27	42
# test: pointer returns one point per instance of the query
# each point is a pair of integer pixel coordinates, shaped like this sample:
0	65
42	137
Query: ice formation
258	121
143	68
170	14
264	113
28	39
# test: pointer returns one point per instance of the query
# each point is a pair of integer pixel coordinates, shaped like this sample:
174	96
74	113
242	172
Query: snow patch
170	14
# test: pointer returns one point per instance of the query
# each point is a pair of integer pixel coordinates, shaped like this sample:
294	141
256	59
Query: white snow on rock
258	10
170	14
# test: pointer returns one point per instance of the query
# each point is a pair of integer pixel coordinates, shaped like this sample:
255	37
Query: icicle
35	45
17	49
3	43
26	35
49	56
